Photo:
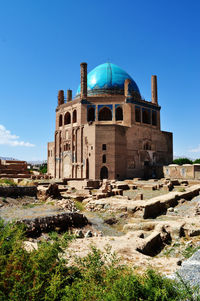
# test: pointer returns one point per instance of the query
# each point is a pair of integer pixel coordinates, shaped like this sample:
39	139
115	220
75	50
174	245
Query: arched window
91	114
154	118
137	114
147	146
105	114
74	116
67	119
145	116
104	159
104	173
60	120
119	113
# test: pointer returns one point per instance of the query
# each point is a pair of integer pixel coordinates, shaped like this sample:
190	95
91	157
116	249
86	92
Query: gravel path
190	270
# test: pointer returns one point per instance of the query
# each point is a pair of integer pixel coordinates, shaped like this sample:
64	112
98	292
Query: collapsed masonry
14	169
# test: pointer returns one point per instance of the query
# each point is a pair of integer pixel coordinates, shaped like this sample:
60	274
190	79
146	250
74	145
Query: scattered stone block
132	186
88	234
139	197
150	187
117	191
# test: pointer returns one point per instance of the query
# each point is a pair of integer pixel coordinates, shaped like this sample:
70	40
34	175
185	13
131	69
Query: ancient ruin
14	169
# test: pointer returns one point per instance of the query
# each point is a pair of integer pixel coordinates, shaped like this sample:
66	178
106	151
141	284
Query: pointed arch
105	114
67	118
104	173
74	116
118	114
60	120
91	114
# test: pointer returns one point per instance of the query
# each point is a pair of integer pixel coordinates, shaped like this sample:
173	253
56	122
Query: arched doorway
104	173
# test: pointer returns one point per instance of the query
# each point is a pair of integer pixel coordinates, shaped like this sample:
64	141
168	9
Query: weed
7	182
4	199
79	205
189	251
181	189
30	205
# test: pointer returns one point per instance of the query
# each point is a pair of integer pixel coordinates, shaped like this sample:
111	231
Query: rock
88	234
62	221
150	187
101	195
139	197
18	191
87	200
44	192
190	270
117	191
152	245
181	201
122	186
110	221
30	246
194	232
170	209
79	234
132	186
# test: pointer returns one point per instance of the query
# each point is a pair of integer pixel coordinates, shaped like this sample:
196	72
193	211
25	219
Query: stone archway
104	173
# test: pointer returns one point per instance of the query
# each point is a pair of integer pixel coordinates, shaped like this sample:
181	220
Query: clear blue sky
43	42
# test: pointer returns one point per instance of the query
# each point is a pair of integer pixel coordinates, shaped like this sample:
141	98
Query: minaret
83	80
60	97
154	96
69	95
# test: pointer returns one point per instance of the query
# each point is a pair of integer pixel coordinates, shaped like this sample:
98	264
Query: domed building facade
107	130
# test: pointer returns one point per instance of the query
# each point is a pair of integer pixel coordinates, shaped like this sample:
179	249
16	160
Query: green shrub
197	161
43	274
79	205
181	161
43	168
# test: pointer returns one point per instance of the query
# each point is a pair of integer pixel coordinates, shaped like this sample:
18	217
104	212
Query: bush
43	168
43	274
182	161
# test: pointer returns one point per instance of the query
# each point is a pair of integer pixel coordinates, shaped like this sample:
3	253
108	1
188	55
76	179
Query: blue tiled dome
108	78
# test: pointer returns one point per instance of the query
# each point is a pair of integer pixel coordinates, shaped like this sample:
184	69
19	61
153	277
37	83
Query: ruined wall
185	171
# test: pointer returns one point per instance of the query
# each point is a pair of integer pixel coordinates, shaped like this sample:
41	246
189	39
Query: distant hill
8	158
38	162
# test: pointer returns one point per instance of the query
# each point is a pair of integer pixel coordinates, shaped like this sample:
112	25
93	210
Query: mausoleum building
108	130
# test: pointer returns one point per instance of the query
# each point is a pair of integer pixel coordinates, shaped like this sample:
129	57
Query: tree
181	161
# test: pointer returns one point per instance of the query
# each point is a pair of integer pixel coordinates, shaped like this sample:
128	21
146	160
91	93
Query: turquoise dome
108	79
